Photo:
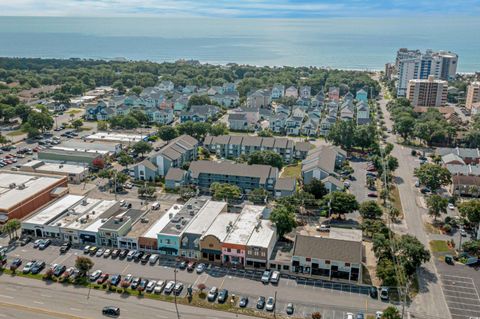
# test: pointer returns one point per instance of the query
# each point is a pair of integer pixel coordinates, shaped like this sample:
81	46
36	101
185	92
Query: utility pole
275	300
174	292
115	184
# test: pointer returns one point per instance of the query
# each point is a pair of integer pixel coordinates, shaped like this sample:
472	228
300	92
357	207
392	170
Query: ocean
346	43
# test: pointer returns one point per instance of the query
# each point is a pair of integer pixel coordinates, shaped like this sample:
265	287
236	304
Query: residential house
278	91
285	187
318	99
363	113
238	122
305	92
259	99
468	155
362	95
282	109
189	89
291	92
145	171
302	149
278	122
333	93
293	125
348	96
180	103
322	162
347	113
229	99
310	127
326	124
229	88
166	86
160	116
265	114
199	113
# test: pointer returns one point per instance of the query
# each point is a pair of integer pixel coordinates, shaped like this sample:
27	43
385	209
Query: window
308	259
238	251
347	264
210	245
229	250
327	262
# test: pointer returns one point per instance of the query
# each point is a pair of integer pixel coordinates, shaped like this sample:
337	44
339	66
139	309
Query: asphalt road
430	300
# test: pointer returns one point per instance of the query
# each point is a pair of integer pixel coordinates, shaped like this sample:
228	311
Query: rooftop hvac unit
178	226
12	185
21	186
184	221
189	206
84	202
170	216
144	220
192	212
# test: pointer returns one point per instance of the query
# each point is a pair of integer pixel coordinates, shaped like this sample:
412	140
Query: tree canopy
266	158
283	219
433	176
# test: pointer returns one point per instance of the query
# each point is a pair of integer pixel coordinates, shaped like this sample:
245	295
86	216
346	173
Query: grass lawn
396	202
439	246
16	133
292	171
73	111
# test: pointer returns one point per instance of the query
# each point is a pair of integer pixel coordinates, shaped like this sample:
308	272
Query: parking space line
470	288
125	269
457	283
458	292
450	296
463	311
461	277
466	304
6	297
38	302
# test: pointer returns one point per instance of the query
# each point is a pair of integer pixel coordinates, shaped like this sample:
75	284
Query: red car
103	278
8	156
371	169
372	194
8	161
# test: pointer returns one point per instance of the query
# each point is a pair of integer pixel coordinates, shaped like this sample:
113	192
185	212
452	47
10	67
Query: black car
123	254
115	253
145	258
261	302
25	240
59	270
222	296
16	262
373	292
143	283
182	265
138	256
38	267
65	247
135	283
243	302
111	311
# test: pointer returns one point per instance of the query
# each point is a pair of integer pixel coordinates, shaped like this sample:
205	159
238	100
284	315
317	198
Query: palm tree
12	225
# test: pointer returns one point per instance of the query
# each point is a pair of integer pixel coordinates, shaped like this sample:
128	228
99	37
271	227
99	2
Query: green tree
411	253
437	205
386	272
283	219
391	312
471	211
124	159
341	203
342	134
370	210
197	130
22	111
404	126
472	247
136	90
258	195
167	133
365	136
266	158
142	147
433	176
265	133
140	116
77	124
146	191
316	188
199	100
7	112
218	129
3	140
102	125
225	191
84	265
41	121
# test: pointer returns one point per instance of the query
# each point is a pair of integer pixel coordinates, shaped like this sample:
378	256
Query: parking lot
307	295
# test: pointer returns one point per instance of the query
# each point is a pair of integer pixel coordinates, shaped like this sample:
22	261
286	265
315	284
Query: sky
239	8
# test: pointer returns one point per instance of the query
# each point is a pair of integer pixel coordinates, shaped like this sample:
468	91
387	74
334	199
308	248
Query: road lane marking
75	309
38	302
6	297
45	295
38	310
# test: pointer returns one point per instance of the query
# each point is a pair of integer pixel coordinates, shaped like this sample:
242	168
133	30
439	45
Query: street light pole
174	292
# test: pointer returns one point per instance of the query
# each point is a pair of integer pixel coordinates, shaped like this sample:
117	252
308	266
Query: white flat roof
219	227
116	137
205	217
54	167
100	207
261	236
245	224
157	227
83	150
345	234
54	210
34	184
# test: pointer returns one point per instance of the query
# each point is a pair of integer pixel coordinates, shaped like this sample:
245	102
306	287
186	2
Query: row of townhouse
202	174
322	163
200	113
232	146
174	154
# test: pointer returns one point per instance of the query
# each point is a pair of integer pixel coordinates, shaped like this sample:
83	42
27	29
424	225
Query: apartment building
428	93
473	96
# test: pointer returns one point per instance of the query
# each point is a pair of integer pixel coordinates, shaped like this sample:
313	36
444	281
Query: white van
156	206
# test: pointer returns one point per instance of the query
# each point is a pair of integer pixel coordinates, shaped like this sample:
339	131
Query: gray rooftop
116	222
175	174
177	225
328	249
178	146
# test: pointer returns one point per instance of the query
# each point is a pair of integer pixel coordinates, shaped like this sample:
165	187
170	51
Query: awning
211	251
168	249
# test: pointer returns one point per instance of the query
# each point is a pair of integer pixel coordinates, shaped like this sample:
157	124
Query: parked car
131	254
270	305
37	243
103	278
93	250
169	287
243	302
150	286
28	267
261	302
178	288
25	240
463	232
349	315
222	295
425	190
373	292
86	249
95	275
145	258
128	278
99	252
153	259
124	253
68	272
107	253
372	194
159	286
212	294
378	315
200	268
275	278
115	279
16	263
182	265
138	256
135	283
191	266
44	244
360	315
290	309
111	311
115	253
65	247
59	270
451	206
266	276
384	294
38	267
323	228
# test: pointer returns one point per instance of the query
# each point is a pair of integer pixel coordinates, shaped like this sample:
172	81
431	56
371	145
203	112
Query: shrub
316	315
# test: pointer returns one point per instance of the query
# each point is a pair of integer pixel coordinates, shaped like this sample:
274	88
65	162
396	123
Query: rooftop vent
178	226
144	220
21	186
192	212
84	202
189	206
12	185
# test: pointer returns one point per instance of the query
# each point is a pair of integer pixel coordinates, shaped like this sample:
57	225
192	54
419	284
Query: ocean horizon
343	43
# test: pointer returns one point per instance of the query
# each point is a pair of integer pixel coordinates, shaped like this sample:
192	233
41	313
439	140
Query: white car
275	277
28	267
151	285
378	314
159	286
100	252
169	287
107	253
270	305
95	275
153	259
266	276
451	206
349	315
